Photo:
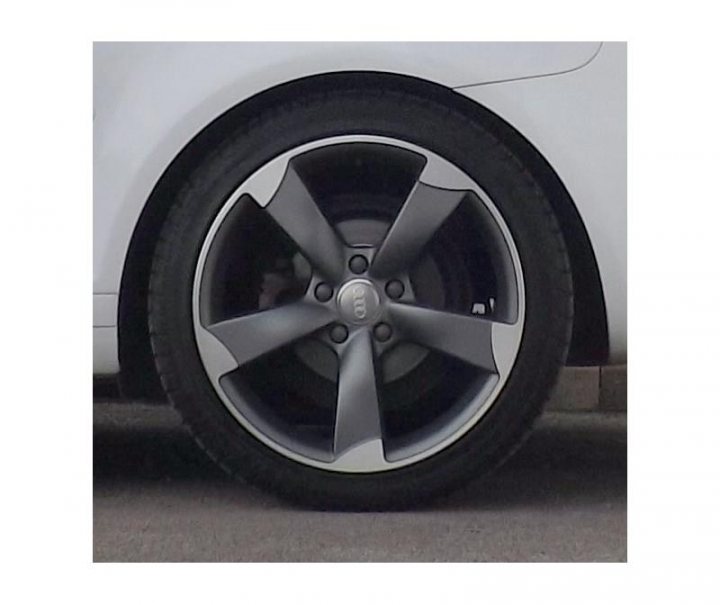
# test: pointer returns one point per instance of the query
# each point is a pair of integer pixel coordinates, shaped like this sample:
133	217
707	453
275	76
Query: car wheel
360	299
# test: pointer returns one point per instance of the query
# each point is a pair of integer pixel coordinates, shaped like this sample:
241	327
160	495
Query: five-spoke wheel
359	301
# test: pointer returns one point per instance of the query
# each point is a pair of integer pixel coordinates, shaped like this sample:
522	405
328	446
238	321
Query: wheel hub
358	302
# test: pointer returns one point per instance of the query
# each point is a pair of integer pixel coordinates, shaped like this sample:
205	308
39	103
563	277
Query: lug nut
395	288
323	292
358	264
382	332
338	333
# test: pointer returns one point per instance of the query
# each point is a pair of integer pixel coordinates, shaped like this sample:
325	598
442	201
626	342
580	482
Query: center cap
358	301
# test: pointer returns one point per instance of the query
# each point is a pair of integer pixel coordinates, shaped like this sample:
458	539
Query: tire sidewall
465	143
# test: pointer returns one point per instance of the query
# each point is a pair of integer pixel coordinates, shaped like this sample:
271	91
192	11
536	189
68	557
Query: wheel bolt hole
382	332
358	264
338	333
395	288
323	292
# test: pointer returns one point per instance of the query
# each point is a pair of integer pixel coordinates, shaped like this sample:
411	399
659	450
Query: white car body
151	99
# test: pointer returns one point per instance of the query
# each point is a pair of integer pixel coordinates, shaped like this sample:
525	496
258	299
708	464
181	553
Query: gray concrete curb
591	389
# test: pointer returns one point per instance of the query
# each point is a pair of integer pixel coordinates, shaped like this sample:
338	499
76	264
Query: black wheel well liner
138	377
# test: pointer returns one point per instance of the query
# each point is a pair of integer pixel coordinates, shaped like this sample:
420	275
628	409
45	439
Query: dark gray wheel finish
365	318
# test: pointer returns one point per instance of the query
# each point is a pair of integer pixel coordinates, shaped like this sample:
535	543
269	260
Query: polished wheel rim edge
217	360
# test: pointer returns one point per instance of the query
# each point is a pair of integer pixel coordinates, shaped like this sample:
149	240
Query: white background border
674	302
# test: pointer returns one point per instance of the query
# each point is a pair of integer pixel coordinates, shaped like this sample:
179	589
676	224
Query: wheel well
138	377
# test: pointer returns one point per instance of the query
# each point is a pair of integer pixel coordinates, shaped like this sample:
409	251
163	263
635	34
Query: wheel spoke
357	418
464	336
296	212
425	209
250	336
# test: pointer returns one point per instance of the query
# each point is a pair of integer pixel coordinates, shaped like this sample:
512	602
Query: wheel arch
138	377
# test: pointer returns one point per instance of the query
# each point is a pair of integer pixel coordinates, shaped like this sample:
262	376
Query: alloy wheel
380	284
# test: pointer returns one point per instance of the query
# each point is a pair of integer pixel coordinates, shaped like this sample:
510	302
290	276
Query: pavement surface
562	497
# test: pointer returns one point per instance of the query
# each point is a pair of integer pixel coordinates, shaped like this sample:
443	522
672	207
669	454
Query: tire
231	437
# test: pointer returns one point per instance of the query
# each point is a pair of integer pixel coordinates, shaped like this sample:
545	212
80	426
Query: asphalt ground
562	497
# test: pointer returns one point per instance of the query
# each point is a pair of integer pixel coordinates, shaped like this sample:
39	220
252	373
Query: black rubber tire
459	139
